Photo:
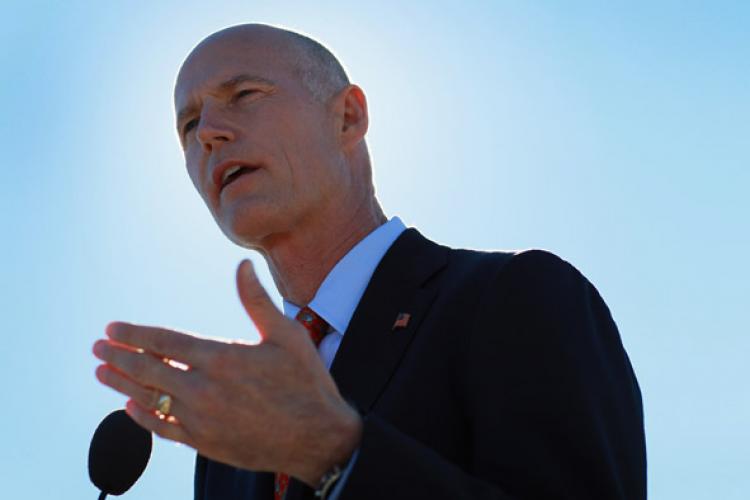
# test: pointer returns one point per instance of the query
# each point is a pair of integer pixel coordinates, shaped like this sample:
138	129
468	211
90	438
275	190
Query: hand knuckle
148	369
202	395
213	362
221	358
130	364
201	435
149	398
159	342
257	297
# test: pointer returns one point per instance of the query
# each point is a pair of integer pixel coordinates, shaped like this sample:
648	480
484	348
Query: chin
248	226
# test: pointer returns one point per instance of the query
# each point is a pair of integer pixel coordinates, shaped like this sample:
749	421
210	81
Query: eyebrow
225	86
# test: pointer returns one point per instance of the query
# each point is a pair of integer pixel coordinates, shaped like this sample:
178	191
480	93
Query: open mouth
234	173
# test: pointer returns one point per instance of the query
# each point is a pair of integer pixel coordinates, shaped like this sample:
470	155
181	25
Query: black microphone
118	454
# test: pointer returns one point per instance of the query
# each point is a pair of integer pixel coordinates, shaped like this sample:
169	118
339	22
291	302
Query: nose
213	131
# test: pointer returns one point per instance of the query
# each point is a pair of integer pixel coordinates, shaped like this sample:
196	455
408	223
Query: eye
189	126
243	93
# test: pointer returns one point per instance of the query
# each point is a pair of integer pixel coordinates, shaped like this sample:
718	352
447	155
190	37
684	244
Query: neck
300	260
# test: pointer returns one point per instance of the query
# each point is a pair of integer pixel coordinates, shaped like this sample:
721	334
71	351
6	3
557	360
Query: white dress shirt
341	291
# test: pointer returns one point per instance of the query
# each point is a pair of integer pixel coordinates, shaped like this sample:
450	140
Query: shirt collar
338	295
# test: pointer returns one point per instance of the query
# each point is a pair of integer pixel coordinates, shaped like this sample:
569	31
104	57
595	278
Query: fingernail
100	372
100	349
111	330
130	408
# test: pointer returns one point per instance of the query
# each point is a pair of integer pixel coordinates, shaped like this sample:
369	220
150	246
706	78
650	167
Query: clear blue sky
612	133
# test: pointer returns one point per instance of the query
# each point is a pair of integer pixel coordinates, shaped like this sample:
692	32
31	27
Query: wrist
349	440
341	440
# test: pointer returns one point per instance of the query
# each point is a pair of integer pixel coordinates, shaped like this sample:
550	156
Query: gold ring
164	404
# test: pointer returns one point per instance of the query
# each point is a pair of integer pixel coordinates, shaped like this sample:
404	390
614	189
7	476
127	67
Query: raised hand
271	406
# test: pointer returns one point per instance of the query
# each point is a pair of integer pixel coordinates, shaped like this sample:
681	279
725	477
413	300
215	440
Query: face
259	148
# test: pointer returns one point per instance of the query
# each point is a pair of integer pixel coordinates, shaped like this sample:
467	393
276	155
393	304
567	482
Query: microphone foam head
119	453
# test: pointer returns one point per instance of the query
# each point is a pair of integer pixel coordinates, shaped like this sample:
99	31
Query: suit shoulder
530	265
479	261
532	283
537	278
536	268
543	297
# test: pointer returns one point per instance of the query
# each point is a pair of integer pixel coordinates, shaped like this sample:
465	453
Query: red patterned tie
317	328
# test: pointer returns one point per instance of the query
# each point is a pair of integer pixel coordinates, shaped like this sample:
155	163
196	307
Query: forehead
214	62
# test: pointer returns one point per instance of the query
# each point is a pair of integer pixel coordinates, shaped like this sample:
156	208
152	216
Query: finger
256	301
184	347
145	396
165	427
144	369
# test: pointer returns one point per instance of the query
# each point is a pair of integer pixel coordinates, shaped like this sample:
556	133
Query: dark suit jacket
509	382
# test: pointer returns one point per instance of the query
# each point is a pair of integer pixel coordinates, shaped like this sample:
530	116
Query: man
453	373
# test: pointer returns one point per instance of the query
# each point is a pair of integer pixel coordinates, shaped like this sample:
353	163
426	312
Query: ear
351	108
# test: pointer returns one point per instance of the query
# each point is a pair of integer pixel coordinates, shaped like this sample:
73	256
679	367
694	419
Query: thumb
256	301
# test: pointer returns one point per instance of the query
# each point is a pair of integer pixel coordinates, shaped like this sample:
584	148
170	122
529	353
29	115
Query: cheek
193	167
313	153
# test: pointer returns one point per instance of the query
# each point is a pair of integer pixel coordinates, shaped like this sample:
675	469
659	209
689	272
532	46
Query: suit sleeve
552	404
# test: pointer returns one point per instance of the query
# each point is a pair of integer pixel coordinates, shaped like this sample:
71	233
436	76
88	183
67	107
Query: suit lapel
371	348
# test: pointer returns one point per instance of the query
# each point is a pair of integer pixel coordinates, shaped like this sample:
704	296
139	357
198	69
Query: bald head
314	64
273	135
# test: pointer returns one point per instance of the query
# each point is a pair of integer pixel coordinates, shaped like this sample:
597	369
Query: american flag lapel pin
401	321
